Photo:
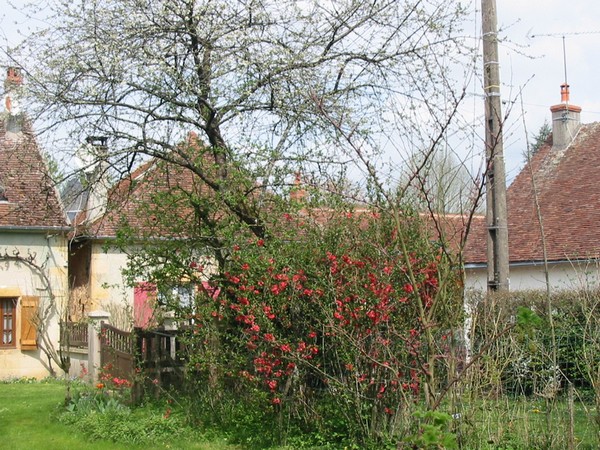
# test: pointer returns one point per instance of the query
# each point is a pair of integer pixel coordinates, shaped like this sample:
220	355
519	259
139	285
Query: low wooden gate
117	351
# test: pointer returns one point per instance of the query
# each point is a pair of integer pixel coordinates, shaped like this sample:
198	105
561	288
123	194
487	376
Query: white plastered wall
562	275
108	289
17	279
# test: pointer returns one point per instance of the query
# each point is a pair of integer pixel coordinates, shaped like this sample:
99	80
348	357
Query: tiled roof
476	245
32	200
130	199
159	189
568	193
569	198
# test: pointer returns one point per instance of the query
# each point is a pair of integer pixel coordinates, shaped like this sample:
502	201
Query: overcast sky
535	64
531	62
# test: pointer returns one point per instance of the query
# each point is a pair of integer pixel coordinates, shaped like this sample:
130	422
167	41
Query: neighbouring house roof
568	194
30	200
565	184
130	199
155	190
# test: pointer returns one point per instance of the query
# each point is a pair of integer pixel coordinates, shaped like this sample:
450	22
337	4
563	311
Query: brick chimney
12	84
565	120
97	183
12	110
298	194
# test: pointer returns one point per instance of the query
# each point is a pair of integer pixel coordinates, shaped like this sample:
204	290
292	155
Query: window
177	296
28	320
7	322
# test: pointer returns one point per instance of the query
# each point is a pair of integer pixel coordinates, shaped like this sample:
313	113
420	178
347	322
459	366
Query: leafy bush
433	431
524	357
100	415
310	319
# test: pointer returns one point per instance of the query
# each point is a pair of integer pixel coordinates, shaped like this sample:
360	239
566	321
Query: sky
532	64
531	60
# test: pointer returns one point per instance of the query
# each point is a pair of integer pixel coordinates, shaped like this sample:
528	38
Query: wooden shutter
29	317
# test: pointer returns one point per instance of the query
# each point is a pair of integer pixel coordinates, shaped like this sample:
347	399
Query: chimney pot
13	77
97	140
298	194
565	120
564	93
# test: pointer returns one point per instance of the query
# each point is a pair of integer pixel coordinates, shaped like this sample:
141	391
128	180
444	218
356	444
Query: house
97	262
33	248
556	192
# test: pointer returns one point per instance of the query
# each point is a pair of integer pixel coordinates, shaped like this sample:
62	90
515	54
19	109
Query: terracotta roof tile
568	188
568	194
129	200
32	198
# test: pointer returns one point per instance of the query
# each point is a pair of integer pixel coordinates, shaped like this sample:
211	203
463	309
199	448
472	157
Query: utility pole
497	239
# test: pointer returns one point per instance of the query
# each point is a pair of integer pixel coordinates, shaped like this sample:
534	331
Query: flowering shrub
342	310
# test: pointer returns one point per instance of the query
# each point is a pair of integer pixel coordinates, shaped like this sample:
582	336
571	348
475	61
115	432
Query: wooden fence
157	357
161	356
117	352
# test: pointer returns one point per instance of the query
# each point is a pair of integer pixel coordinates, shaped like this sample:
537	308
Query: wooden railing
159	350
158	355
74	334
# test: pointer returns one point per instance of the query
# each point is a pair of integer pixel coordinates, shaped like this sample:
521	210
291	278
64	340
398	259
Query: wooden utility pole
497	240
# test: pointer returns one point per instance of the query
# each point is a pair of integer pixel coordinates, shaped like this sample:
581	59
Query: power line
563	35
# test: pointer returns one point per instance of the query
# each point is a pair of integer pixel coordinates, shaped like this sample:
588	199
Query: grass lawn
28	420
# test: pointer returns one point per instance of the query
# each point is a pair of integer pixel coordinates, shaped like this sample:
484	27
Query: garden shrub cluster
524	357
333	330
339	327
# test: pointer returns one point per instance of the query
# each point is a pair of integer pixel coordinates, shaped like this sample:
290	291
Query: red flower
276	401
408	288
260	242
285	348
268	312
